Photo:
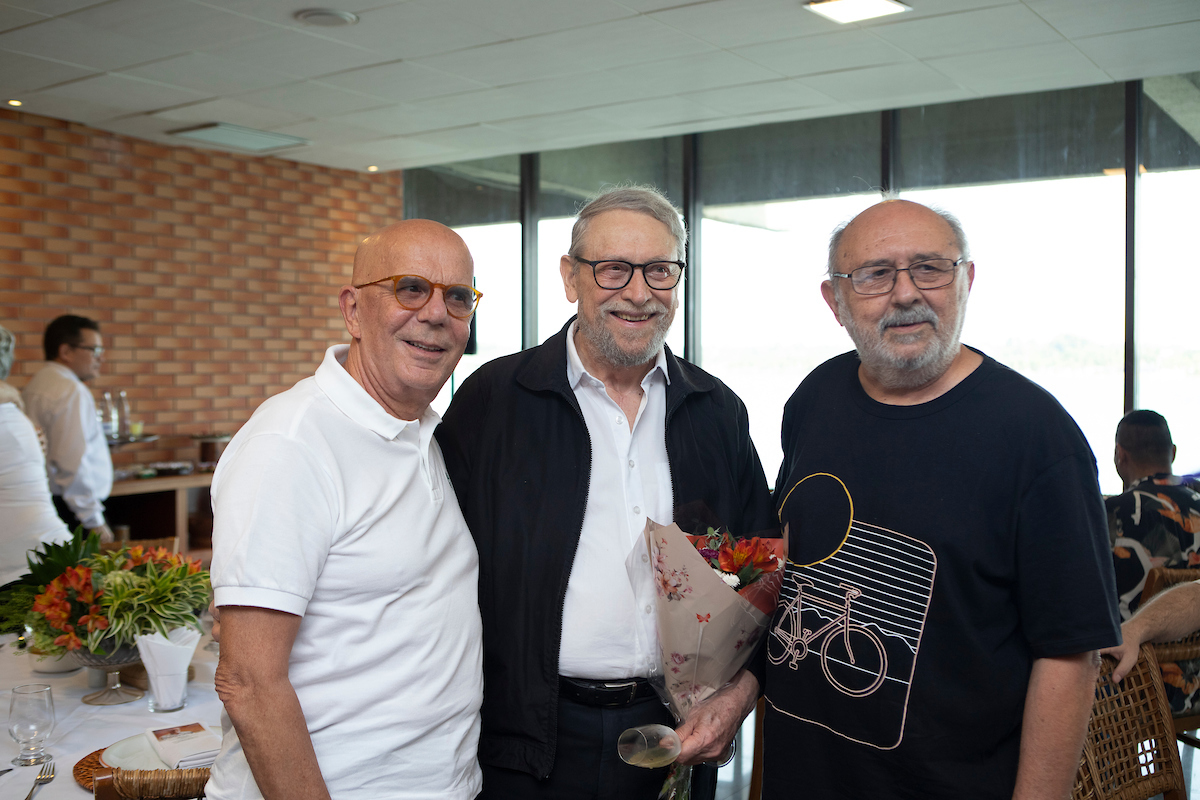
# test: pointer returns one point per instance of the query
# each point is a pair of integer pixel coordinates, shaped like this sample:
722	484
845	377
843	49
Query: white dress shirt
77	460
608	628
27	517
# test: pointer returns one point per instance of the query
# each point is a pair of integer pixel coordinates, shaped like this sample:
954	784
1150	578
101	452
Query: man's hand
711	726
1126	654
106	534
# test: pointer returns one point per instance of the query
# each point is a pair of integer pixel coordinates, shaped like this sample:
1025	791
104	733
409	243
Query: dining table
82	729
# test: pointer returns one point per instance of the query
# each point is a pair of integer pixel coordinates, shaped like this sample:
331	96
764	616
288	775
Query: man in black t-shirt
949	578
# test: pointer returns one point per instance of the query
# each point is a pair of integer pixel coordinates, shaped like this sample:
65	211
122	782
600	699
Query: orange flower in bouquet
69	604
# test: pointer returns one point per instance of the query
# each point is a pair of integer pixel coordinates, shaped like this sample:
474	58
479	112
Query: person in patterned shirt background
1155	522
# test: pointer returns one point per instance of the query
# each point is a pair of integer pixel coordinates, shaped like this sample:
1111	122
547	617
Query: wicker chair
1157	580
132	784
1130	751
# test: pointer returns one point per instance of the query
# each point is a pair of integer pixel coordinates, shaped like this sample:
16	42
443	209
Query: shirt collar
352	399
576	371
64	370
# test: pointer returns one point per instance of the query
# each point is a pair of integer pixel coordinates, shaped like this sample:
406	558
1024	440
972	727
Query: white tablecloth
82	729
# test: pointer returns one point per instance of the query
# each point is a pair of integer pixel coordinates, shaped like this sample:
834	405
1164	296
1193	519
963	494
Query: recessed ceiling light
326	17
15	103
372	168
844	11
239	138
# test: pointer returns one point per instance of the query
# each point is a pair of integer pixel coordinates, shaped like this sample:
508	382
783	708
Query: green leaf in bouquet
52	559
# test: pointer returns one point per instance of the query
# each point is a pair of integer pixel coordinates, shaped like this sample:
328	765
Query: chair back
1130	751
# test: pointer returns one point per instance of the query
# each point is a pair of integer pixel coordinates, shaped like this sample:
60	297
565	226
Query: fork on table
45	776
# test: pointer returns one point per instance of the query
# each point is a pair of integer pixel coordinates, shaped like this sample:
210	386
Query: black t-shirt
966	537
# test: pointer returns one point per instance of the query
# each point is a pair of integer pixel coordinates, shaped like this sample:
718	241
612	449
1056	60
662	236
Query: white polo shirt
27	516
609	629
329	508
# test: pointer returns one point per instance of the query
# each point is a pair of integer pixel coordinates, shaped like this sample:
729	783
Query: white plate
132	753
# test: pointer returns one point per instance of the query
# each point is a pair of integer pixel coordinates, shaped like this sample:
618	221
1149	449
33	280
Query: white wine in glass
30	721
649	746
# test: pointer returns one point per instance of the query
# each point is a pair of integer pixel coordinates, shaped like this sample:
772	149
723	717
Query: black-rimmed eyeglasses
95	349
933	273
618	274
413	292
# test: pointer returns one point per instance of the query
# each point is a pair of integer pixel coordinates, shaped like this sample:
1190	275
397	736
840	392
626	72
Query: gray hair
642	199
960	237
7	343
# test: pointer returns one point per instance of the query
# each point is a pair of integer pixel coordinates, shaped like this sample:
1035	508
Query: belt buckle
616	685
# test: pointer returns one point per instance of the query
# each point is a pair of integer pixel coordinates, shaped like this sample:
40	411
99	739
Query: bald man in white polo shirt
345	574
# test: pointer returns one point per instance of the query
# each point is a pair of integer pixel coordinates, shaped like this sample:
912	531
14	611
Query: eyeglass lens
617	274
932	274
413	292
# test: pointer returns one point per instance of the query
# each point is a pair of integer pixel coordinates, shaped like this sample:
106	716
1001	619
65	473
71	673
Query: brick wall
213	276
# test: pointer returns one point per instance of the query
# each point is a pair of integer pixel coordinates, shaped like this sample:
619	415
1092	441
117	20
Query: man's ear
830	295
63	352
348	303
569	276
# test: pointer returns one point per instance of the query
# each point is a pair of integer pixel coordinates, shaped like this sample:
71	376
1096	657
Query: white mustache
651	307
908	316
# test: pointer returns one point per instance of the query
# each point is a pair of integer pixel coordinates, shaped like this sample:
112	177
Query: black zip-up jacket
519	456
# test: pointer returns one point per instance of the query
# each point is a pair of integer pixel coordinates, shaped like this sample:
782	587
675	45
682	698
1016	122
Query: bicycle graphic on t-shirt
852	656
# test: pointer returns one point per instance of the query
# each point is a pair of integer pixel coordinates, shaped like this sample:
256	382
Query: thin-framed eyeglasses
611	274
932	273
96	349
413	292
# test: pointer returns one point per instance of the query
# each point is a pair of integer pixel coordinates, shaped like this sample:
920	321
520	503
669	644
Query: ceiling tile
895	82
312	99
584	90
969	32
399	147
52	8
176	25
627	41
66	40
1146	53
1024	69
516	19
130	95
295	53
483	106
19	73
232	111
331	131
401	120
570	123
1074	19
829	52
470	136
280	13
72	108
15	17
209	74
715	69
402	81
416	28
761	97
733	23
643	114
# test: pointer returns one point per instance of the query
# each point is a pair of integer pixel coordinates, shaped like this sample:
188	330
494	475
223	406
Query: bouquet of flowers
108	599
715	598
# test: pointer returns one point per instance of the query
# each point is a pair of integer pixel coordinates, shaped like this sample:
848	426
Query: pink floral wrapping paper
706	629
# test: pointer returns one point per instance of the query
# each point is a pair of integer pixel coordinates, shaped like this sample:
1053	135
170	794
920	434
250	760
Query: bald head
407	248
893	213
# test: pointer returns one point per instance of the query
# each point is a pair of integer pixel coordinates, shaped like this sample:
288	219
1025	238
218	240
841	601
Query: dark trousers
586	765
65	513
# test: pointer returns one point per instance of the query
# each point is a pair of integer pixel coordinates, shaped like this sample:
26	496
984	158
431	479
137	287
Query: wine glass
648	746
30	720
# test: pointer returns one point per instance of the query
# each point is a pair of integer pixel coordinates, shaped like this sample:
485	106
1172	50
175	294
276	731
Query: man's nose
638	290
906	290
435	309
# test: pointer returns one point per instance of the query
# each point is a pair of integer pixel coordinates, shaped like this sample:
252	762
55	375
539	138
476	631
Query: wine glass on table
30	721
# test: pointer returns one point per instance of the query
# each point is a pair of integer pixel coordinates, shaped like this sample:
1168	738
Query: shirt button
617	420
649	609
637	510
631	462
645	558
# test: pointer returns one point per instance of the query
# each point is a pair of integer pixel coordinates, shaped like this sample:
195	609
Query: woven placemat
86	767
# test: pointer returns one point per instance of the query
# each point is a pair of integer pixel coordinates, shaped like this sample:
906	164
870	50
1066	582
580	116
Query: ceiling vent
326	17
236	137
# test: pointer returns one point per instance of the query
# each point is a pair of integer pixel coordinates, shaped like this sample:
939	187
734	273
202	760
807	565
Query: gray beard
899	372
602	339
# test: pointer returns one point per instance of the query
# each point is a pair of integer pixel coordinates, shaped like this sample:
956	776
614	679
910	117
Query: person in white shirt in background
27	517
58	400
346	578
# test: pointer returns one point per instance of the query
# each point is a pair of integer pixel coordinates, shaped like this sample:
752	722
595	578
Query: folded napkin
185	746
166	659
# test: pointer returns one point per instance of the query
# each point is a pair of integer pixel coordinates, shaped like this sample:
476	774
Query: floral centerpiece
108	599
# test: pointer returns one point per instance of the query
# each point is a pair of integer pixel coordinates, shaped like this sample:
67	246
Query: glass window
773	194
480	200
1037	181
1168	349
568	179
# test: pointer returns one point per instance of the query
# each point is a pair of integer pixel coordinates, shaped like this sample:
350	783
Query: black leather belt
604	694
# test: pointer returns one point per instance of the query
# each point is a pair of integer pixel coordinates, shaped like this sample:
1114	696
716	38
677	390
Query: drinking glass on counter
30	721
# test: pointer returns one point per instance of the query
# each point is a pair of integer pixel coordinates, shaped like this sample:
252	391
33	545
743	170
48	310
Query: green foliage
52	560
148	599
15	602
